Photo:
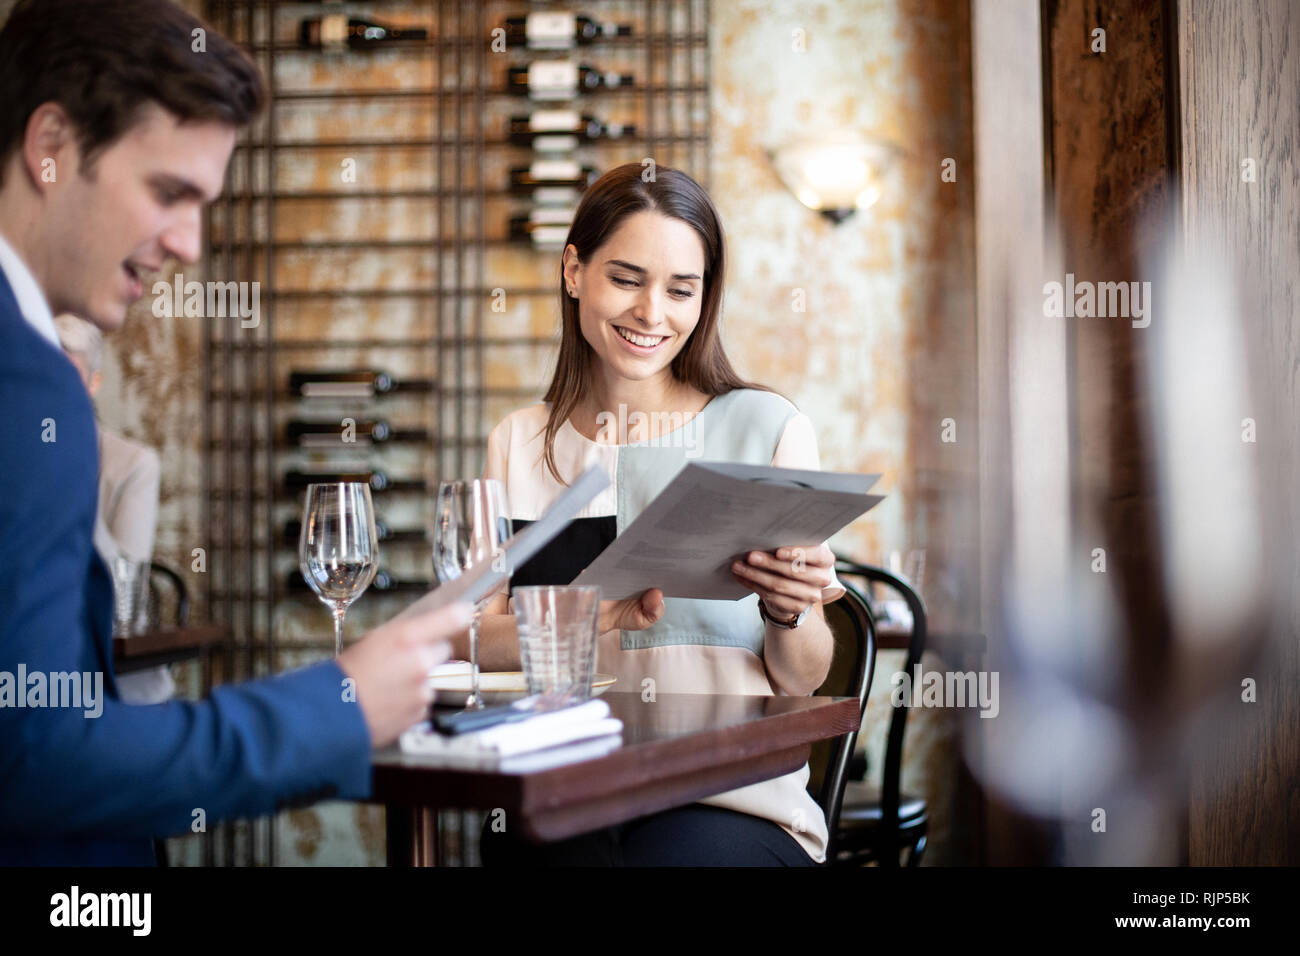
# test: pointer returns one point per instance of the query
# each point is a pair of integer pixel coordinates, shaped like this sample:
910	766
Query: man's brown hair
102	60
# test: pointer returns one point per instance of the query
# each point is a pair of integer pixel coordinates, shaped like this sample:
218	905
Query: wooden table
164	646
676	750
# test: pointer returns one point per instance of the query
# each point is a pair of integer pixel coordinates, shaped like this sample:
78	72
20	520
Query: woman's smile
639	344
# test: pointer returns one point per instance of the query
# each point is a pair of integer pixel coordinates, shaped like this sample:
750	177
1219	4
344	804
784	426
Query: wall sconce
835	176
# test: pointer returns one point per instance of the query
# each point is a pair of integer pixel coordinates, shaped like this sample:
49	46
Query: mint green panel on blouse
743	426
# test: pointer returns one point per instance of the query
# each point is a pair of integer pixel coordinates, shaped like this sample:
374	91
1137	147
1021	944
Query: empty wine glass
338	547
471	524
910	566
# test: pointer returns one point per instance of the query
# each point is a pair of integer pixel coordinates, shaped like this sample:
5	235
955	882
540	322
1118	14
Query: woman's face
639	294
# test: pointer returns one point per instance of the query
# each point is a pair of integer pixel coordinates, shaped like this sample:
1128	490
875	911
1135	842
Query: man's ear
49	146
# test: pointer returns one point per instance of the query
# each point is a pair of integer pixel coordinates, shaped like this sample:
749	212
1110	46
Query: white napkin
559	756
487	748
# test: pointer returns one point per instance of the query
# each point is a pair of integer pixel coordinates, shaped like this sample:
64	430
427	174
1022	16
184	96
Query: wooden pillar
1103	129
1240	101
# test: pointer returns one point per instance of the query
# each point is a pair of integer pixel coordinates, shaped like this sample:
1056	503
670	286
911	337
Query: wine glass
338	547
471	524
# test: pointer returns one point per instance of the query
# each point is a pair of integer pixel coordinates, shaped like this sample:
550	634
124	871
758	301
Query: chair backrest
852	667
161	572
889	793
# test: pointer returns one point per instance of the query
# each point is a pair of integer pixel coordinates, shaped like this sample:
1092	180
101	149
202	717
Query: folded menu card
714	513
479	582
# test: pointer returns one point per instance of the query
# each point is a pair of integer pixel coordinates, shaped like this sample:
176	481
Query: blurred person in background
129	478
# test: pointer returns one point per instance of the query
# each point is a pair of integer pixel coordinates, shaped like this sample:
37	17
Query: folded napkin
488	748
559	756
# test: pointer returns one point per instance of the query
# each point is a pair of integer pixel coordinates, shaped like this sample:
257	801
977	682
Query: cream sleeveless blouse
698	647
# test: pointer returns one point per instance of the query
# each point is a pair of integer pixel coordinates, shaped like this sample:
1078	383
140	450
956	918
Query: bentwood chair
159	573
876	822
852	668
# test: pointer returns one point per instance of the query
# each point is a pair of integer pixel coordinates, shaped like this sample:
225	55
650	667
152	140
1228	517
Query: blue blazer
94	790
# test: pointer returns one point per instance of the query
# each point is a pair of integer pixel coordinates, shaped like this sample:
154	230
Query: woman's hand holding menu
632	614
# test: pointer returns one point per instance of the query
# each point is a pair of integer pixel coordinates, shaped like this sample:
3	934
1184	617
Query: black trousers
695	835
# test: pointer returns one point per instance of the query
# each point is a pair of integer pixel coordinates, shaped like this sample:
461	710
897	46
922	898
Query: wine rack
373	205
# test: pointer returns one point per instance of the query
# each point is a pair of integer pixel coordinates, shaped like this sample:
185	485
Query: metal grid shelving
431	127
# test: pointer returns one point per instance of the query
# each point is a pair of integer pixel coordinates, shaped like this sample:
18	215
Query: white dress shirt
31	300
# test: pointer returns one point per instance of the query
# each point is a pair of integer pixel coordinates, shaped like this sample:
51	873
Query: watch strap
789	625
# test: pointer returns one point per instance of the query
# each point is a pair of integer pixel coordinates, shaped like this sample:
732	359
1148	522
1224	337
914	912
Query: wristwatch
789	625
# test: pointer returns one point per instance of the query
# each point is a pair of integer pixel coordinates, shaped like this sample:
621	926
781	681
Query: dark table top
676	749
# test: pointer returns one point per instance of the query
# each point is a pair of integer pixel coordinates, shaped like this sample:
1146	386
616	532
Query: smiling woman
641	287
657	280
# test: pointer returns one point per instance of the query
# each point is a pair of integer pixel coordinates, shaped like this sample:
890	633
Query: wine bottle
387	534
561	80
350	431
384	581
545	227
558	30
552	182
341	383
556	131
379	481
293	529
337	31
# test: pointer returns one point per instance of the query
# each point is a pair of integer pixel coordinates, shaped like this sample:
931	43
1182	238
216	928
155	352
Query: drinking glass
557	638
471	524
130	587
338	547
910	566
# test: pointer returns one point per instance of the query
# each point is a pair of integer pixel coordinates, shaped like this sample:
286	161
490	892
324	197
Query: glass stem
474	699
339	611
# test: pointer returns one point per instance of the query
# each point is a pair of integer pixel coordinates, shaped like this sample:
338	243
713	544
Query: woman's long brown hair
619	193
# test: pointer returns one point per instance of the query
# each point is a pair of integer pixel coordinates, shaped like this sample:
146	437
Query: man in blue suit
117	121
